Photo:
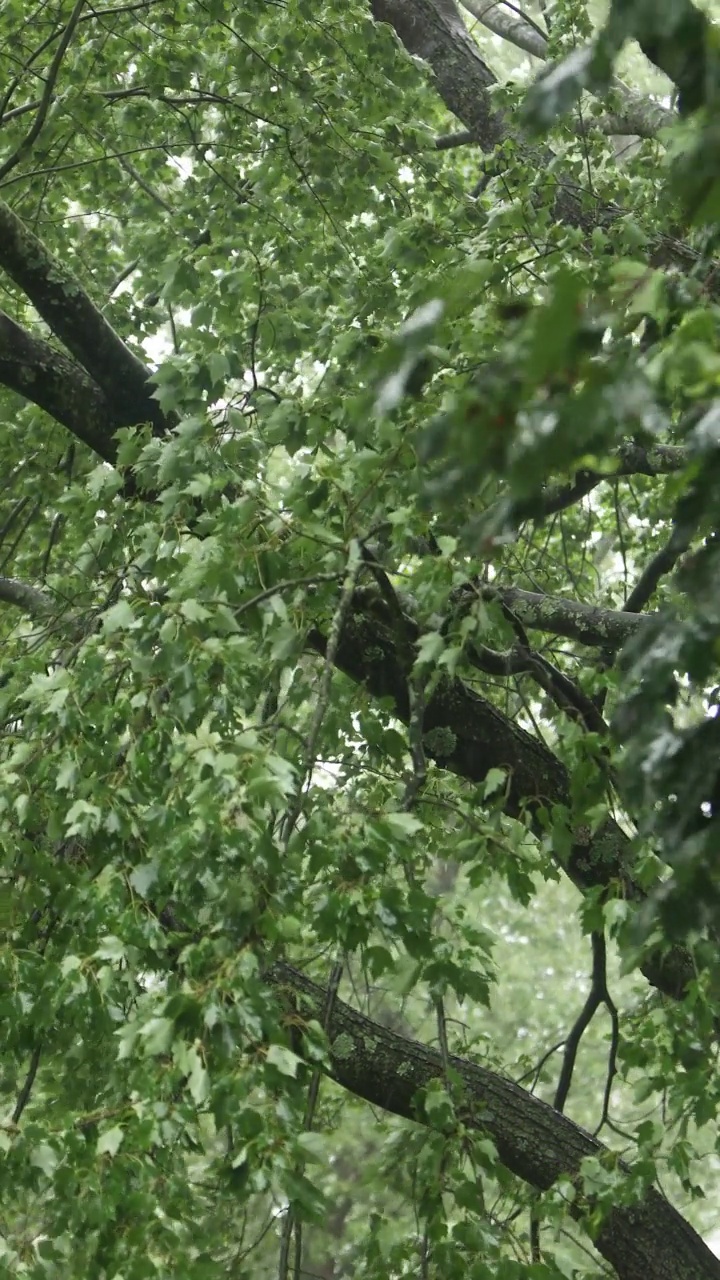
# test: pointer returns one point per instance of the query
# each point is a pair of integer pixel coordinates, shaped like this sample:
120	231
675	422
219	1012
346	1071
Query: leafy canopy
359	771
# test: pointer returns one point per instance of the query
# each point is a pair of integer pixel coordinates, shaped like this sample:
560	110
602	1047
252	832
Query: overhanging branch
73	317
601	628
632	460
433	30
475	737
533	1141
51	380
638	115
30	599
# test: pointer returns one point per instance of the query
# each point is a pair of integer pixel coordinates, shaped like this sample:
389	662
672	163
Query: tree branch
662	563
536	1143
588	624
55	383
433	30
69	311
469	736
638	115
633	459
30	599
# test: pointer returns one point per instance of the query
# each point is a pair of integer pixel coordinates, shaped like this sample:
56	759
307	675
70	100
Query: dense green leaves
316	568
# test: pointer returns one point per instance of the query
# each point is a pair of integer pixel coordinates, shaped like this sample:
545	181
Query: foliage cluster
360	556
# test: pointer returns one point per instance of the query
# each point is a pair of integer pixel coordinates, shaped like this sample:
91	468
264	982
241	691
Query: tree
360	581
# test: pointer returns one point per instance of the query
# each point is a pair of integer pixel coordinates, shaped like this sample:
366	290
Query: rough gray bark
535	1142
475	737
602	628
72	316
638	115
433	30
38	372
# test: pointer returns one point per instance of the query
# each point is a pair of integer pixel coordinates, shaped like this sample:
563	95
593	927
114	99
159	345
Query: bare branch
517	30
662	563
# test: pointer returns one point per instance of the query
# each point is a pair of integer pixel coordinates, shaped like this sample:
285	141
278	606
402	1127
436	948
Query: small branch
518	30
24	1095
354	565
138	179
662	563
47	97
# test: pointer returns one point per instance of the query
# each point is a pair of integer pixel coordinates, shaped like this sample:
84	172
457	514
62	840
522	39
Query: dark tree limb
73	317
533	1141
633	460
522	660
662	563
51	380
377	653
477	737
433	30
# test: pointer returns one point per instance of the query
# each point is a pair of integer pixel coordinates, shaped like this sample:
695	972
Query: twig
46	99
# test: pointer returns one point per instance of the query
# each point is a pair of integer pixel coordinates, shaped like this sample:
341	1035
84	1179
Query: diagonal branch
534	1142
46	100
638	115
434	31
469	736
55	383
633	460
662	563
30	599
73	317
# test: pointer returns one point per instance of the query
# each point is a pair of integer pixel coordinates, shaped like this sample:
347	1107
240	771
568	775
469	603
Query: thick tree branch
638	115
30	599
533	1141
588	624
633	460
72	316
433	30
469	736
55	383
509	25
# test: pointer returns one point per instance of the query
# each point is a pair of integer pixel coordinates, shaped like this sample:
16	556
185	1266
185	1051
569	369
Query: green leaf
109	1141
